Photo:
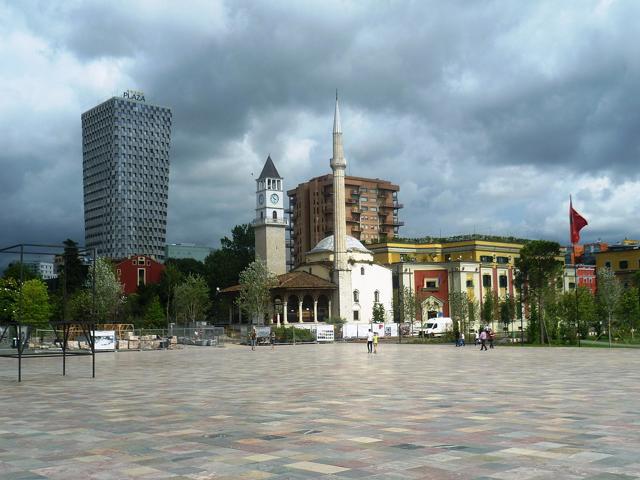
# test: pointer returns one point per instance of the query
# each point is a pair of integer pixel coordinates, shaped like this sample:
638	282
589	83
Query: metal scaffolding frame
61	327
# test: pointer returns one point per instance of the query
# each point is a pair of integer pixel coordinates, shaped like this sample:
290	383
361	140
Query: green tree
459	311
186	266
627	311
191	300
609	291
538	268
108	291
171	278
154	316
378	313
255	290
72	272
488	308
13	271
9	293
507	311
587	313
409	305
33	304
80	306
223	266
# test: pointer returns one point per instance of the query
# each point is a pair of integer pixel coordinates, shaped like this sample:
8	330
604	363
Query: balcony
271	221
351	201
394	222
353	220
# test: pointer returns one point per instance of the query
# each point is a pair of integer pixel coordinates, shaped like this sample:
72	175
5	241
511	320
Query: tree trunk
609	329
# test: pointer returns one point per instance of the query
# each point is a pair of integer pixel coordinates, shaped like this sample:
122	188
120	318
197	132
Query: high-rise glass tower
125	164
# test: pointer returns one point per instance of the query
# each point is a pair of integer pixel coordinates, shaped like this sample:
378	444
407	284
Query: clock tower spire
270	223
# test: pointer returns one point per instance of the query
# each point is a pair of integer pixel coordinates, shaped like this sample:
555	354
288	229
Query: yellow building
470	249
624	260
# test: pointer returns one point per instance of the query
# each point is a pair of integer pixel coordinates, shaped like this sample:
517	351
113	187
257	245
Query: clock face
274	198
260	199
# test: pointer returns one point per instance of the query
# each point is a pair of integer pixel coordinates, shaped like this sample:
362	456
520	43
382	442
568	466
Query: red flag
577	223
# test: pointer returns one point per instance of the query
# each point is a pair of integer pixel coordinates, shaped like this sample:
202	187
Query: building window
376	296
275	215
607	264
503	281
430	284
141	277
572	285
486	281
469	283
356	296
486	258
624	264
361	270
502	259
356	315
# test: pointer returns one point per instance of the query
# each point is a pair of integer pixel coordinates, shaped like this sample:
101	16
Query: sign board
263	332
325	333
105	340
134	95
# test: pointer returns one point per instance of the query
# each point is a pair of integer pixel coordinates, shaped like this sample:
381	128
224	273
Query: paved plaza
325	411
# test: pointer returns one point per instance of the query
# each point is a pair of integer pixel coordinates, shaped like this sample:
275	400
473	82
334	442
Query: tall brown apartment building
372	212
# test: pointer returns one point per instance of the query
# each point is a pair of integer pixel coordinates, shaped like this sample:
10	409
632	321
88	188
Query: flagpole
575	267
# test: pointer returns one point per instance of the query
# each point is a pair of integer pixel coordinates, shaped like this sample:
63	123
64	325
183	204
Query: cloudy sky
487	114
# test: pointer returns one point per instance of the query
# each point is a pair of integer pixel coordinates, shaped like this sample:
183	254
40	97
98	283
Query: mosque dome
326	245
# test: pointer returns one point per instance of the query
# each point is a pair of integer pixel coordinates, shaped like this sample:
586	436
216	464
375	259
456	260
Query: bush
285	334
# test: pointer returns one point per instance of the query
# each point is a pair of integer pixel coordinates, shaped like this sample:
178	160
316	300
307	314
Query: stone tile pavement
325	411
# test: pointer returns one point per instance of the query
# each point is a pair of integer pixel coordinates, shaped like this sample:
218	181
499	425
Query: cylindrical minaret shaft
338	165
342	273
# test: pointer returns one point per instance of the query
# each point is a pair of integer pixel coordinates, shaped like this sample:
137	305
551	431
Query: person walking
490	336
370	342
375	342
483	340
273	340
462	339
254	338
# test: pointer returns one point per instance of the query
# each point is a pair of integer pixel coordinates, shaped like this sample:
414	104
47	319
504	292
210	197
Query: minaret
342	305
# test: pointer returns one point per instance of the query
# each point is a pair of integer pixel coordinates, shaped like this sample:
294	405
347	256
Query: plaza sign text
134	95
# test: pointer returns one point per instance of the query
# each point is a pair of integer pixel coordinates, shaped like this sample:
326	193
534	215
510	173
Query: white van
436	327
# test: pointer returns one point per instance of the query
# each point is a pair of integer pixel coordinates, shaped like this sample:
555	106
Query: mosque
338	277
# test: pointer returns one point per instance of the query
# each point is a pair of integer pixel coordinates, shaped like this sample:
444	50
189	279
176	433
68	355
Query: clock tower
270	223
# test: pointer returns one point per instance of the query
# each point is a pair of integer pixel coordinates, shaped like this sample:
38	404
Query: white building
44	270
370	283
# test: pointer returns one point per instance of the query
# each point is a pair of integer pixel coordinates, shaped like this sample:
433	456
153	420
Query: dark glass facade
125	164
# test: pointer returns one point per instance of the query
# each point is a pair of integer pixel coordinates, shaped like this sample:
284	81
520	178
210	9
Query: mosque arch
292	308
307	308
323	308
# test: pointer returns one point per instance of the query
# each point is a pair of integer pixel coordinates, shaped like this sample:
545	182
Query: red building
138	270
587	277
432	287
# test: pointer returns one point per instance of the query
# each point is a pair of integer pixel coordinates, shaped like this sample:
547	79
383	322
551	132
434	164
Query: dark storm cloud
487	113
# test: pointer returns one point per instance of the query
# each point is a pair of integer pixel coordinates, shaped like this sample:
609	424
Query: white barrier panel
361	330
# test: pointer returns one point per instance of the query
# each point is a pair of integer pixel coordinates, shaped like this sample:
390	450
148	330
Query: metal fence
205	336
